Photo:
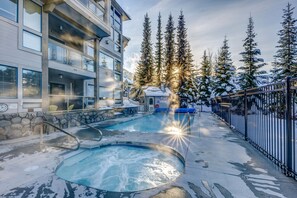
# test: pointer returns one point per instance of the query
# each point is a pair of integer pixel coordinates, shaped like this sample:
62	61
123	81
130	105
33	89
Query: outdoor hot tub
123	167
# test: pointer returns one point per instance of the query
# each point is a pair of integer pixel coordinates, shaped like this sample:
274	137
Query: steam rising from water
121	168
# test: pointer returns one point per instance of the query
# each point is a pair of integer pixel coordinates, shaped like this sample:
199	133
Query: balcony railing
71	57
70	102
96	8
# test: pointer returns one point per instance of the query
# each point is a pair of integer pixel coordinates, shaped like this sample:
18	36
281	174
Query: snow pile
156	91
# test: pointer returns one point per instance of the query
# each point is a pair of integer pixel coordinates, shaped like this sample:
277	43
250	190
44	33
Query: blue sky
208	21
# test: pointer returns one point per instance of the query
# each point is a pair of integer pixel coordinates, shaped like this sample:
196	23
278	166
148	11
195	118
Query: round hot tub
123	168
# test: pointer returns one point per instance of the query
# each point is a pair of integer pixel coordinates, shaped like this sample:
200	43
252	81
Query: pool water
121	168
155	123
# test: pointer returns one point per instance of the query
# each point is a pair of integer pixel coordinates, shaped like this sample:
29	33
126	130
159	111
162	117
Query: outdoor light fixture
60	76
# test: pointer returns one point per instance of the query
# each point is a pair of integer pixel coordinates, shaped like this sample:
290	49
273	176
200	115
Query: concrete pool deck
218	163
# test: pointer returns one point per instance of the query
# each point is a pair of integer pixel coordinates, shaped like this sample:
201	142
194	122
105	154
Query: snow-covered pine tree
250	71
169	58
286	55
184	59
160	74
225	72
205	81
181	53
145	71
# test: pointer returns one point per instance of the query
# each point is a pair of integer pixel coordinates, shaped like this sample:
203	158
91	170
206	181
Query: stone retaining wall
25	124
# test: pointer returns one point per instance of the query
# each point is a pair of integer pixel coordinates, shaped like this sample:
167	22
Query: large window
9	9
32	26
106	61
32	15
31	84
8	82
31	41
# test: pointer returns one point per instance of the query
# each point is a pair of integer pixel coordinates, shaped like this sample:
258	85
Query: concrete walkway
218	163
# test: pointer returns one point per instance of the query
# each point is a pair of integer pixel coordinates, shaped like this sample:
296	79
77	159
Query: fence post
288	124
245	116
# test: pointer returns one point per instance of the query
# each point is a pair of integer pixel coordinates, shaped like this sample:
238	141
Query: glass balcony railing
96	8
65	55
70	102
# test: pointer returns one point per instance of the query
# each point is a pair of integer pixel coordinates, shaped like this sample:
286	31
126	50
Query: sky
208	22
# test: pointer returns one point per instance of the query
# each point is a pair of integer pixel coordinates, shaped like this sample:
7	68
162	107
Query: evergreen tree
182	47
160	78
252	64
205	82
169	62
225	72
184	58
145	69
189	87
286	55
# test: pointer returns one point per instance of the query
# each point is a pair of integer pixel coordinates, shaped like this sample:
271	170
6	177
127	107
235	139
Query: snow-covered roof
156	91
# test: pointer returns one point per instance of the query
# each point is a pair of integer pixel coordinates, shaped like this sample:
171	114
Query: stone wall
17	125
25	124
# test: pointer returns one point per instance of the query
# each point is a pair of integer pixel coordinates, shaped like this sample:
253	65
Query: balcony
96	8
68	56
87	15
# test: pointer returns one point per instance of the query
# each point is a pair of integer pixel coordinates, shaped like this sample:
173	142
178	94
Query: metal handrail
99	131
73	136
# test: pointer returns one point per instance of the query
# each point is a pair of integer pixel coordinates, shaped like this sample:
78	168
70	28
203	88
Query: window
32	21
118	66
31	41
9	9
117	37
31	84
105	93
90	48
106	61
32	15
117	77
117	16
117	25
57	89
8	82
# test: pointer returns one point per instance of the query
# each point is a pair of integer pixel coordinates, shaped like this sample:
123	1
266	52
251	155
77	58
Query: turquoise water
121	168
155	123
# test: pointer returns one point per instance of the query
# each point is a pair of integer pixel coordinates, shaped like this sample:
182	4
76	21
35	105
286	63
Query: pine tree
160	78
169	62
286	55
184	59
145	69
189	85
205	82
252	64
225	72
181	53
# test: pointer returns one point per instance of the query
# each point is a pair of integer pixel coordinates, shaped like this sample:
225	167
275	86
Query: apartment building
59	55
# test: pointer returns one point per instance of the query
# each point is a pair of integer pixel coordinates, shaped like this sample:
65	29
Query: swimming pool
155	123
122	168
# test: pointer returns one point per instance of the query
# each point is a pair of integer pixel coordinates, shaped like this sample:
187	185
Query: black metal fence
266	117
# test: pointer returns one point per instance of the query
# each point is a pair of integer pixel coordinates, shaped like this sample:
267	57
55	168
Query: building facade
59	55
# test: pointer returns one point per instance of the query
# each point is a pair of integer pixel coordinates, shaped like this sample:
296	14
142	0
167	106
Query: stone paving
218	163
